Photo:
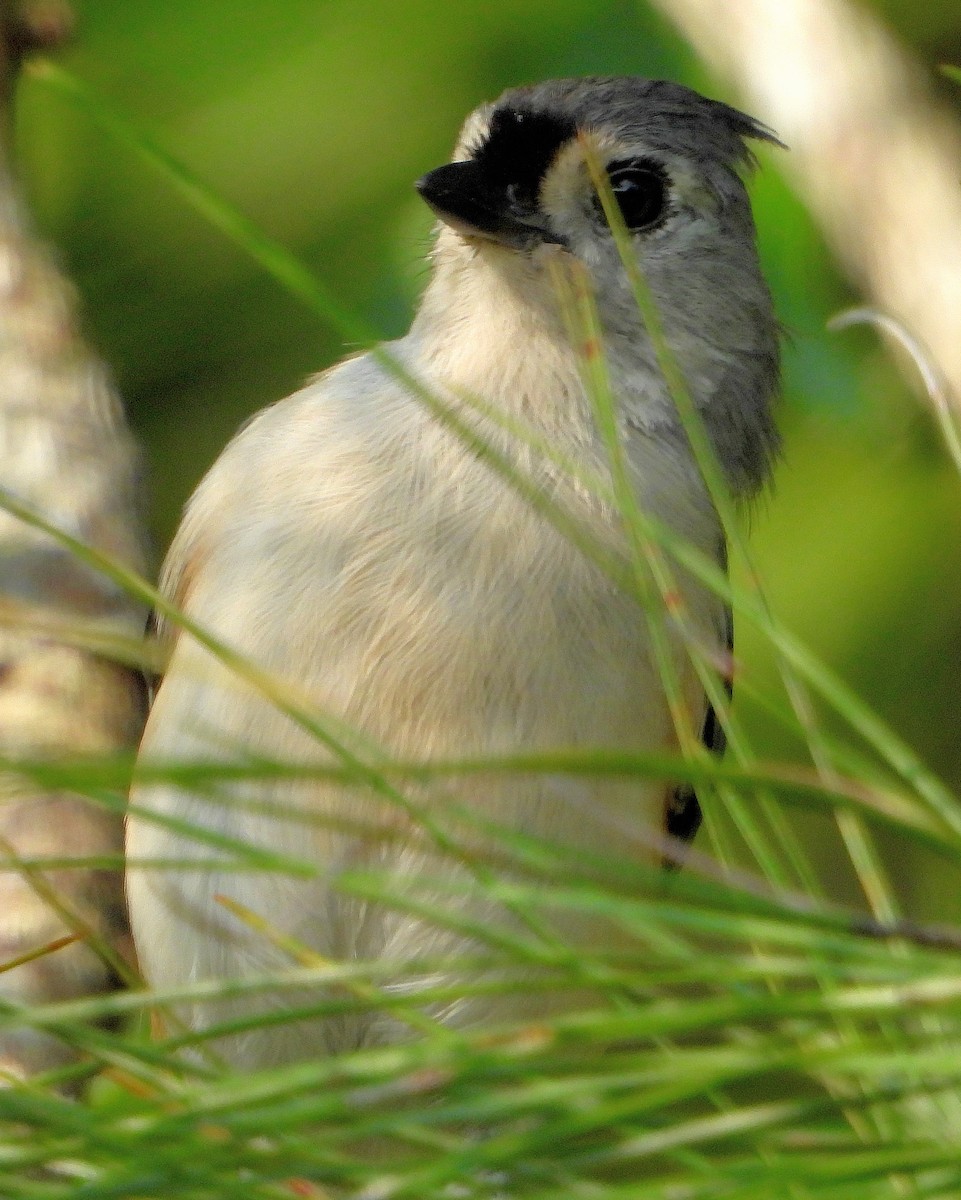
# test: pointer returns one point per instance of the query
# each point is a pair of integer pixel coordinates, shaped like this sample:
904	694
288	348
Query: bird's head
521	181
520	177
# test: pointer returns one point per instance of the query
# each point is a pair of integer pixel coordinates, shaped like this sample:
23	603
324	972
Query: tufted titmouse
353	546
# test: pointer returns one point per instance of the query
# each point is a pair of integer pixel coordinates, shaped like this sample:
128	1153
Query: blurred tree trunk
873	155
65	452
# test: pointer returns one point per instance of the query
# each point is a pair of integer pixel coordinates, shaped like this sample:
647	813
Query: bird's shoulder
306	459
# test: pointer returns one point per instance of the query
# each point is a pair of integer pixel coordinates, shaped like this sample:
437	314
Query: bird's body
356	548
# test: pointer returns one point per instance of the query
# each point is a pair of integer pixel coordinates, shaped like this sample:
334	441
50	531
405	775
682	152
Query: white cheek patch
567	186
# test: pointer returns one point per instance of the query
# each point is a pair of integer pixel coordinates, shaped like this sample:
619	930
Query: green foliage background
314	117
745	1048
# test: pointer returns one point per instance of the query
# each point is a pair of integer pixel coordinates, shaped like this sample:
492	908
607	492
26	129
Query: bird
364	544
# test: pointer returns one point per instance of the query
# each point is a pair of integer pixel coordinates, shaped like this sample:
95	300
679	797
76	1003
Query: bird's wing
158	630
682	812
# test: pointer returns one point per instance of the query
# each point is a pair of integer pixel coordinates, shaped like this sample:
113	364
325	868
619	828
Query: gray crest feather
667	115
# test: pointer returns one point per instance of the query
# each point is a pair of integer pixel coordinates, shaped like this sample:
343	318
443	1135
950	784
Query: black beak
463	196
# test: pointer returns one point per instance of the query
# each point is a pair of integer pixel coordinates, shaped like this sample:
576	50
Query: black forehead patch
520	145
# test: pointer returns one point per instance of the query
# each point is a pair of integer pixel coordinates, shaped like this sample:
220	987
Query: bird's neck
491	326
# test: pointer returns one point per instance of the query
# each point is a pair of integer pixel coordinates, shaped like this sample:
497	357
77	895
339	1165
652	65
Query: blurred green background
314	117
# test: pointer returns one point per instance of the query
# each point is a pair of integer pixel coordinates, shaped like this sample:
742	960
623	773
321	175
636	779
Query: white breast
354	548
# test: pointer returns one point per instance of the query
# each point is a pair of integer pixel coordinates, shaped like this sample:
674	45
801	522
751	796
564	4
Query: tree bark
65	452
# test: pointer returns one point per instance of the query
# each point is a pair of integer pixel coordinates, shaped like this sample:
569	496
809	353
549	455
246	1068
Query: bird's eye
640	188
